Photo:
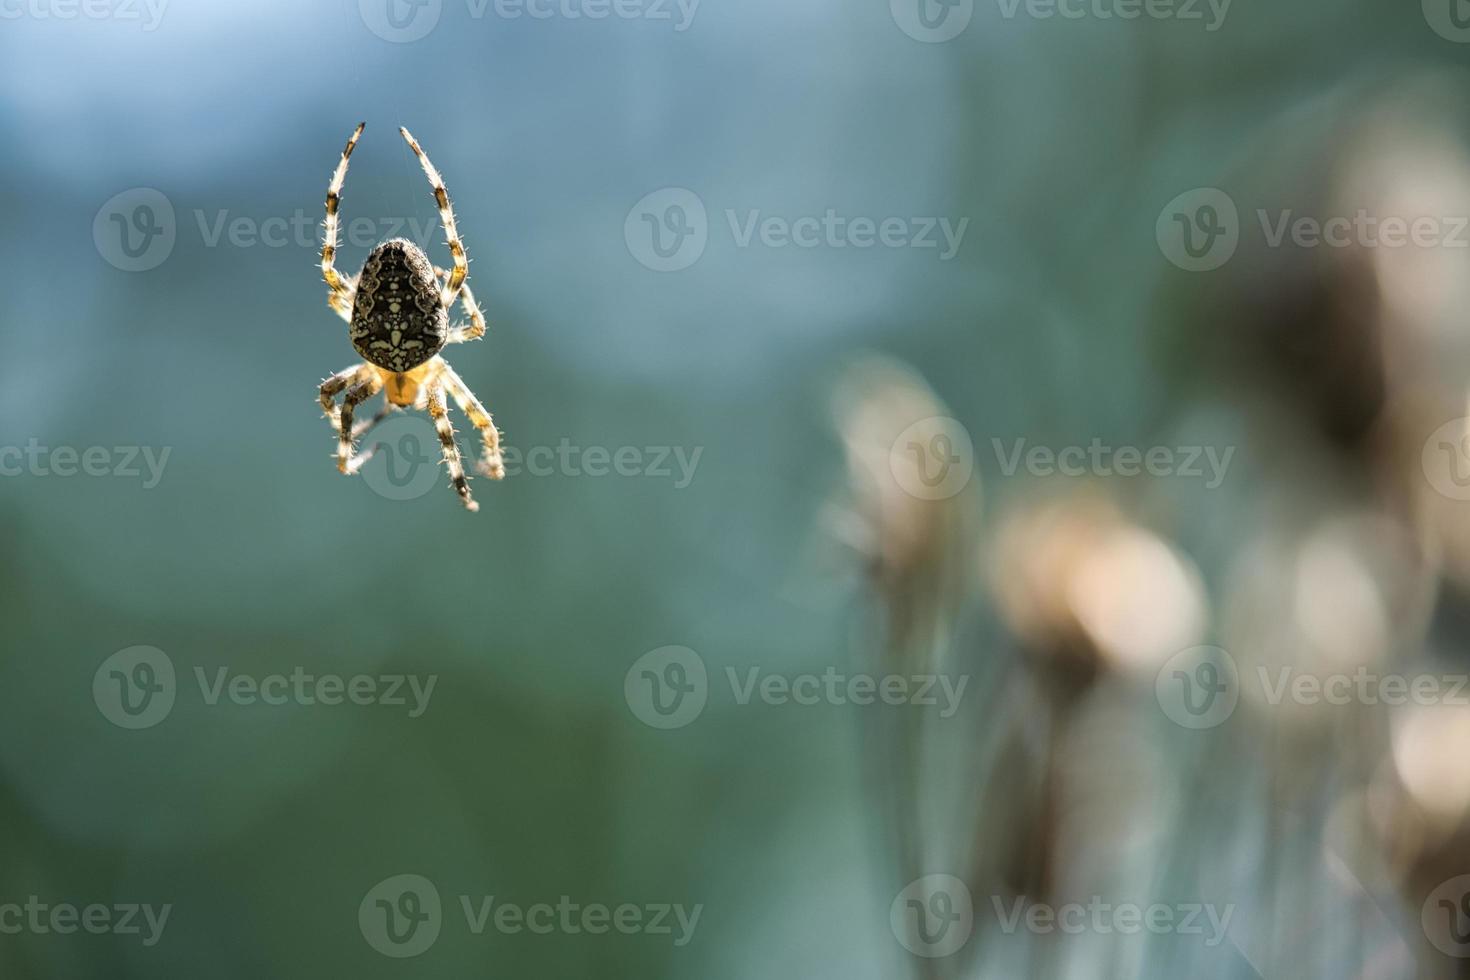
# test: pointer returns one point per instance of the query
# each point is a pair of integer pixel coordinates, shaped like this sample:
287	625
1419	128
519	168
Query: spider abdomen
398	321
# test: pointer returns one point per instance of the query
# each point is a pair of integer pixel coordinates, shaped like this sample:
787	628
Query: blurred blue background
1053	142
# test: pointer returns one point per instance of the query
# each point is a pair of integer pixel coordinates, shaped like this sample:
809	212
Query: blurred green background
529	777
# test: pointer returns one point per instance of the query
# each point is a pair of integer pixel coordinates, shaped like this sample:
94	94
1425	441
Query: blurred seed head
1322	339
1431	744
1323	596
1419	798
915	541
1086	590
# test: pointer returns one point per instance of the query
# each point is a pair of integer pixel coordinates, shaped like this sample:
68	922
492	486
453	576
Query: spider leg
334	386
360	392
446	217
472	331
439	411
475	329
341	300
490	464
340	289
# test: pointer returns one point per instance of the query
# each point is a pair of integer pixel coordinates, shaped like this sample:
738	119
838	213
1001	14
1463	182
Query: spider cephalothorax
398	322
398	311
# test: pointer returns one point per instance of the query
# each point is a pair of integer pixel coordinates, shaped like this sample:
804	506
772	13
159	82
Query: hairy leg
439	412
490	463
334	386
475	329
340	289
446	217
360	392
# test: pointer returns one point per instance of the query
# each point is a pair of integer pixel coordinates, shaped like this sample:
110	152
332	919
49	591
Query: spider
397	308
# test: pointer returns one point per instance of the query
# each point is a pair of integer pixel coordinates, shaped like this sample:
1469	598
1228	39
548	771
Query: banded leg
360	392
340	289
490	464
334	386
459	333
439	412
446	217
341	301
